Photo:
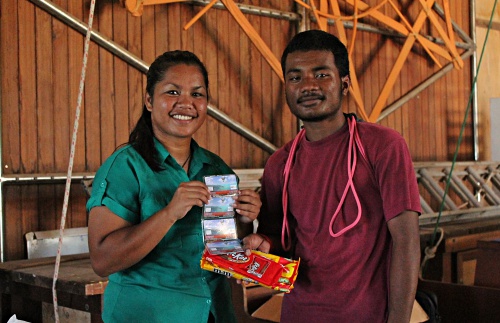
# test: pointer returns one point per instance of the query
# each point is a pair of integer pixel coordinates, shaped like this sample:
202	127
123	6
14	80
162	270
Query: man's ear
346	82
148	101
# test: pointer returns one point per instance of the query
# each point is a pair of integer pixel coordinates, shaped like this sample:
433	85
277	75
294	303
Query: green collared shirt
168	285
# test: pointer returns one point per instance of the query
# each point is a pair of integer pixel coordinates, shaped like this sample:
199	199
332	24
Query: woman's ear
148	101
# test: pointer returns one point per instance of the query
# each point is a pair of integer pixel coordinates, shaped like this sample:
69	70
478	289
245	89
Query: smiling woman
178	108
145	208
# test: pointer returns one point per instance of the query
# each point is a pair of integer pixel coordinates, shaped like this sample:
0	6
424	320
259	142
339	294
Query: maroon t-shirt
342	279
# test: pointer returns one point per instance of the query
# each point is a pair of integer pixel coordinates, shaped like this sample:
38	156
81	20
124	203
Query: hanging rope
71	159
433	249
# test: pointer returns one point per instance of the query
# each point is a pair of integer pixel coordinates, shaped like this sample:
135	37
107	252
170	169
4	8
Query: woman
145	208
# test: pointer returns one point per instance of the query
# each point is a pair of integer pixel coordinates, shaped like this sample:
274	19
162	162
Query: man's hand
256	242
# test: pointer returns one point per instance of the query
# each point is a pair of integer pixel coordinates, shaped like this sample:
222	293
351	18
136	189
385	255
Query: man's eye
197	95
321	75
294	78
172	92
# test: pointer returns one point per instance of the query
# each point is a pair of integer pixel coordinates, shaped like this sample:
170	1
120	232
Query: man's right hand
256	242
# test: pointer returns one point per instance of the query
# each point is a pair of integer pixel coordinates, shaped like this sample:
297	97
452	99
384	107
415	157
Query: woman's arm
116	244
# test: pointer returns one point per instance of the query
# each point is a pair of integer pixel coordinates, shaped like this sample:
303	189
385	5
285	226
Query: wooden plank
135	77
438	119
385	62
488	263
211	62
148	38
447	267
75	62
467	242
75	274
107	90
234	108
161	22
29	263
9	66
60	63
255	93
288	121
174	29
92	107
466	265
47	212
200	34
268	110
224	79
27	88
276	81
27	101
121	78
186	36
45	102
77	210
13	227
29	198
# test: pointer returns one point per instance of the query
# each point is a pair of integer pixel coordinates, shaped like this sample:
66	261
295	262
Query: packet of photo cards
219	206
222	184
219	221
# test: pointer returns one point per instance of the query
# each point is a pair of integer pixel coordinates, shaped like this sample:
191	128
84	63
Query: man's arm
405	263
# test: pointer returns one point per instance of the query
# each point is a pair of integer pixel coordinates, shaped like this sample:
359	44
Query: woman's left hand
248	205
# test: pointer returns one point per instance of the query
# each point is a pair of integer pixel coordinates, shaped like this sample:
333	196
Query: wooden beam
254	37
384	94
354	88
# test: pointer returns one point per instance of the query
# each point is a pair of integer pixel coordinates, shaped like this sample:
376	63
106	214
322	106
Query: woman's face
179	104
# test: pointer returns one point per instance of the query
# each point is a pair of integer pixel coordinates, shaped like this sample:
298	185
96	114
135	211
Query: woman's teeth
180	117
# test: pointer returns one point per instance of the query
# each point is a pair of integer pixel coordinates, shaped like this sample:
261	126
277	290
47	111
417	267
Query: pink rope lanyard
353	147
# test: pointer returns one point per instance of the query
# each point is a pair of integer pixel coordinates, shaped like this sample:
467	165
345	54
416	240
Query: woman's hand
187	195
248	204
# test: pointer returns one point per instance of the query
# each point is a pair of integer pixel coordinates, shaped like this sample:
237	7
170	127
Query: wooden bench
26	284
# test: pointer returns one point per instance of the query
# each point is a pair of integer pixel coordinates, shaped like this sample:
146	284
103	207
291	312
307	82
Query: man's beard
319	116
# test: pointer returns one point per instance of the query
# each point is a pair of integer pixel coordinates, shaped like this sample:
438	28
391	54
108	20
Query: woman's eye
172	92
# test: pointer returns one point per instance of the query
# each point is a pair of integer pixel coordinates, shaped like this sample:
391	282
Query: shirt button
102	184
203	279
209	301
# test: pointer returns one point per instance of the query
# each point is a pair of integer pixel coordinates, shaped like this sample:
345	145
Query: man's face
313	86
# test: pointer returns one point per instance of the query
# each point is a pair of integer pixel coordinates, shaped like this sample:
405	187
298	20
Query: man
351	199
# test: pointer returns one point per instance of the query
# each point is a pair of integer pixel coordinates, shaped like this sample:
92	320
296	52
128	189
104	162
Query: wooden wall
41	58
488	80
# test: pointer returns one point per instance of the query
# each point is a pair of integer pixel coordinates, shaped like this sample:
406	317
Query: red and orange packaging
264	269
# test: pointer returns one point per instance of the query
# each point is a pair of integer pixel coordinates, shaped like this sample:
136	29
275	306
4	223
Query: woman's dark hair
318	40
142	137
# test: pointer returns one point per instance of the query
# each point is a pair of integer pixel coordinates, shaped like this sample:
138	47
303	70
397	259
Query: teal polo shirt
168	285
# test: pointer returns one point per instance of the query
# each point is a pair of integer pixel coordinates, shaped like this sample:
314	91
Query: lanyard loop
353	147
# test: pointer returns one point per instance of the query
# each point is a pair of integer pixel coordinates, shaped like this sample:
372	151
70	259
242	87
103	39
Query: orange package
260	268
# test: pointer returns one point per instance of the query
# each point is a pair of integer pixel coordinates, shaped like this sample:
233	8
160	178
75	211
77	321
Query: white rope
71	159
430	251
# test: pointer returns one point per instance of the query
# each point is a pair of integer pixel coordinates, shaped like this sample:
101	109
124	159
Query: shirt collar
199	157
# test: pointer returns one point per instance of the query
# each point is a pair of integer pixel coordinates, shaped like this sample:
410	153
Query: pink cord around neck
354	146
